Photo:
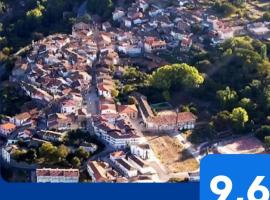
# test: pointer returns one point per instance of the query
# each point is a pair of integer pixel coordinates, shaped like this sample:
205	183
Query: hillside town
73	83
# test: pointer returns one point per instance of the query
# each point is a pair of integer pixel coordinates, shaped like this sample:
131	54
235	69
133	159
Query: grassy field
172	154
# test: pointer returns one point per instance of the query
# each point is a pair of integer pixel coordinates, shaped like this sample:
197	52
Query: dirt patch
171	153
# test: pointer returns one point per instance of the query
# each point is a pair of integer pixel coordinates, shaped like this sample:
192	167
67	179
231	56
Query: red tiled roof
168	119
58	172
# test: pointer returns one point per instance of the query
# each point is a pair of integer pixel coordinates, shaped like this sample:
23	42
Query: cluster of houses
121	167
162	27
57	75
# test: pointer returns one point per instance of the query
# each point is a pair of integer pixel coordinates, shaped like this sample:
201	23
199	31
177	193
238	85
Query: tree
266	97
239	117
81	153
175	76
34	17
249	105
114	92
266	16
132	75
104	8
166	94
76	162
222	121
267	141
48	151
31	155
227	98
128	89
263	131
62	152
85	19
224	8
35	13
243	59
17	155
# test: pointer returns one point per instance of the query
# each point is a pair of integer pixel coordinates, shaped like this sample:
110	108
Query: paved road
92	101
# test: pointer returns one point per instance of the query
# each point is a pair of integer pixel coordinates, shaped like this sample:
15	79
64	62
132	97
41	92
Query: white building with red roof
171	121
153	44
69	106
130	110
118	133
101	171
47	175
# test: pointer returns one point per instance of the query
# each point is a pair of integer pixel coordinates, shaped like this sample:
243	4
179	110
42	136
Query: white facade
149	48
57	179
127	169
57	175
116	142
130	50
128	23
144	153
118	14
104	93
170	127
142	169
21	122
5	155
144	6
68	109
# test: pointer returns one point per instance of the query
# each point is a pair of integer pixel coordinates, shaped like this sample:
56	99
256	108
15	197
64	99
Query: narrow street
92	101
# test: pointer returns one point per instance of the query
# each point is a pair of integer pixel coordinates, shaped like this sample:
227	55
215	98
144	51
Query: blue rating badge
235	177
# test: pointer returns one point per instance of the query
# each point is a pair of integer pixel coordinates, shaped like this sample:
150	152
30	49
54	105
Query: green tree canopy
176	76
239	117
263	131
76	162
62	152
227	97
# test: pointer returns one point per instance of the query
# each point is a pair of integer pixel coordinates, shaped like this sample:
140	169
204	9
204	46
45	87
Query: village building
47	175
119	160
7	151
260	29
81	29
140	165
142	150
118	14
6	129
101	171
152	44
22	119
89	147
59	121
172	121
130	110
127	169
51	136
69	106
118	133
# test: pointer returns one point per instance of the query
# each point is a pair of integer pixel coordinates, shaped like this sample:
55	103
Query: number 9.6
228	185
